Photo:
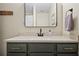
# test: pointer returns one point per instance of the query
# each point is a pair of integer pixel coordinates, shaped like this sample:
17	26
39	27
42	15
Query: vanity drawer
16	47
67	47
41	47
16	54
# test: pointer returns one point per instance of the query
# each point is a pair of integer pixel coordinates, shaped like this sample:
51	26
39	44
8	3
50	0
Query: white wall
11	26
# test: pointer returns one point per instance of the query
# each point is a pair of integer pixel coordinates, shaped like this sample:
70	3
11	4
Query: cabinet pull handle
68	48
15	48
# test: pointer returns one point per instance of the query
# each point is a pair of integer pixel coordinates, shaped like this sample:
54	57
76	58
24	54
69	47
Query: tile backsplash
34	31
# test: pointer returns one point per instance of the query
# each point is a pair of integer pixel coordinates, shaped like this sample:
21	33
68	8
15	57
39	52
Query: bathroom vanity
42	49
41	46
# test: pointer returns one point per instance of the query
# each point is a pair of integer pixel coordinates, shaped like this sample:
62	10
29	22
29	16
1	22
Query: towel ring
71	10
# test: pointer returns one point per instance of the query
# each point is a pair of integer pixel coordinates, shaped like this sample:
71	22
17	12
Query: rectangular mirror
40	14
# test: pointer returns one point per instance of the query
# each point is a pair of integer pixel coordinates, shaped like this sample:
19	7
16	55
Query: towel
69	23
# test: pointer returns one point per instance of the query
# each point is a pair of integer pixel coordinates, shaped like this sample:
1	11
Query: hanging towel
69	23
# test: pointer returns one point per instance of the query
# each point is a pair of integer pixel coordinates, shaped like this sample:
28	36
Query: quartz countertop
56	39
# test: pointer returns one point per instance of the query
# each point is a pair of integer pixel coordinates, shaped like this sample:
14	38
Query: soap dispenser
49	33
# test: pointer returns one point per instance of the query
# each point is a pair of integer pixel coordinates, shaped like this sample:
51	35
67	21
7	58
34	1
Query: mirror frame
40	26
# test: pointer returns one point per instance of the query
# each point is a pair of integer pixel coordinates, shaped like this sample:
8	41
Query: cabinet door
42	54
41	47
16	54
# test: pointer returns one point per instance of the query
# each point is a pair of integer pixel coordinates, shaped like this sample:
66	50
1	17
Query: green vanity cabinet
42	49
17	49
67	49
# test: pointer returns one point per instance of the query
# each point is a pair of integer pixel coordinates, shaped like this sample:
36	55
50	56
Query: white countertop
59	39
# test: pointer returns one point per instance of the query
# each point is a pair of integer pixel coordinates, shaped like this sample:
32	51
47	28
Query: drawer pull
15	48
68	48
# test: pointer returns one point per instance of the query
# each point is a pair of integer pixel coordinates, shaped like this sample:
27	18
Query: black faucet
40	33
